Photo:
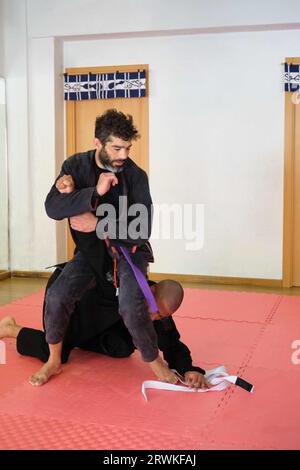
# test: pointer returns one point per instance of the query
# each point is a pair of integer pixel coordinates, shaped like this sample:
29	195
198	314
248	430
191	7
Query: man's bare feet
162	371
8	327
43	375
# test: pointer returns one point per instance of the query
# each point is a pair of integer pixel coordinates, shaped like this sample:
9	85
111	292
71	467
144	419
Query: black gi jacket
134	184
81	167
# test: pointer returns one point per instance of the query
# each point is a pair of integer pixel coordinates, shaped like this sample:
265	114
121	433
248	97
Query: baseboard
4	275
197	279
32	274
190	278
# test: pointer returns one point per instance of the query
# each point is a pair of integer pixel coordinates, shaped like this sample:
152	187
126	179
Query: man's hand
65	184
105	181
84	222
162	371
196	380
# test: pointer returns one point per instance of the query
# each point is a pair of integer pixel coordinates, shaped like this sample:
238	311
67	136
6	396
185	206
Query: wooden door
81	116
296	201
291	246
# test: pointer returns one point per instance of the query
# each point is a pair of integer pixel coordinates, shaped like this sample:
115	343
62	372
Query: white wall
3	158
46	145
4	261
2	72
81	17
19	178
226	135
32	69
216	136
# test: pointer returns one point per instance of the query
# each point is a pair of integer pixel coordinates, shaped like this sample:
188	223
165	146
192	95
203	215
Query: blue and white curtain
291	77
96	86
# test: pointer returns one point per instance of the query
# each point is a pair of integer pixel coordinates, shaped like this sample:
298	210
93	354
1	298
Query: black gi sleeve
60	206
141	195
176	353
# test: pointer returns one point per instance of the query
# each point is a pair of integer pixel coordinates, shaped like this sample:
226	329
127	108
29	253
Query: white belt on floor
218	378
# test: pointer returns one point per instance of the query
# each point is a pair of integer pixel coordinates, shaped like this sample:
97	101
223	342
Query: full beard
106	162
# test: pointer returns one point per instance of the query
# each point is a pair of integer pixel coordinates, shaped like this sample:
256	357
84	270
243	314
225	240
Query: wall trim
191	278
4	275
32	274
216	279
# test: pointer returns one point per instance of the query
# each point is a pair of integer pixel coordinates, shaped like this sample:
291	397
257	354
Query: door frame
70	105
288	209
71	120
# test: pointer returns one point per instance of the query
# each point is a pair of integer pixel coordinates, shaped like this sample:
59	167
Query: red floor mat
96	403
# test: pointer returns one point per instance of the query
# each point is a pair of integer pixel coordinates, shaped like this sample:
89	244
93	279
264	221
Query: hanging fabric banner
291	77
97	86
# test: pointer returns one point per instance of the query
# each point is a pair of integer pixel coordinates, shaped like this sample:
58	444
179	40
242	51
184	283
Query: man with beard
87	180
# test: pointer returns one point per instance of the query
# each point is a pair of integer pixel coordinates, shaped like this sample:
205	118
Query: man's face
163	308
114	153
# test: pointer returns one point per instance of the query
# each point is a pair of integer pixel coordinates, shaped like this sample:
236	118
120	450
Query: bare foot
43	375
7	326
162	371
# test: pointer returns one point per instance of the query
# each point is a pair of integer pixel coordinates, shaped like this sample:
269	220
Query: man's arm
60	205
177	354
82	229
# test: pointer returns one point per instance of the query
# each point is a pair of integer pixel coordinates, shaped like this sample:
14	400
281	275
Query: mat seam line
245	363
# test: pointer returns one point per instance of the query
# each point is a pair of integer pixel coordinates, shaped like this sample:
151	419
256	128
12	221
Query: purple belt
141	280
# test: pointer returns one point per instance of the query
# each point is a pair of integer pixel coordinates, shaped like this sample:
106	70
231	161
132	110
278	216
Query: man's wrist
95	197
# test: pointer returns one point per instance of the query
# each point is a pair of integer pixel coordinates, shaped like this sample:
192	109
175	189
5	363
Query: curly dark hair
117	124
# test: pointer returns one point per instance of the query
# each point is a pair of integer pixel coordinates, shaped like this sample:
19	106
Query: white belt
218	378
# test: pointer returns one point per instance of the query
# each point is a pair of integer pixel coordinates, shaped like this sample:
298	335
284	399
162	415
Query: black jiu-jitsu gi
96	325
81	272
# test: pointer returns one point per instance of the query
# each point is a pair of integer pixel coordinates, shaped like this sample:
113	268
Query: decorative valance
291	77
97	86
